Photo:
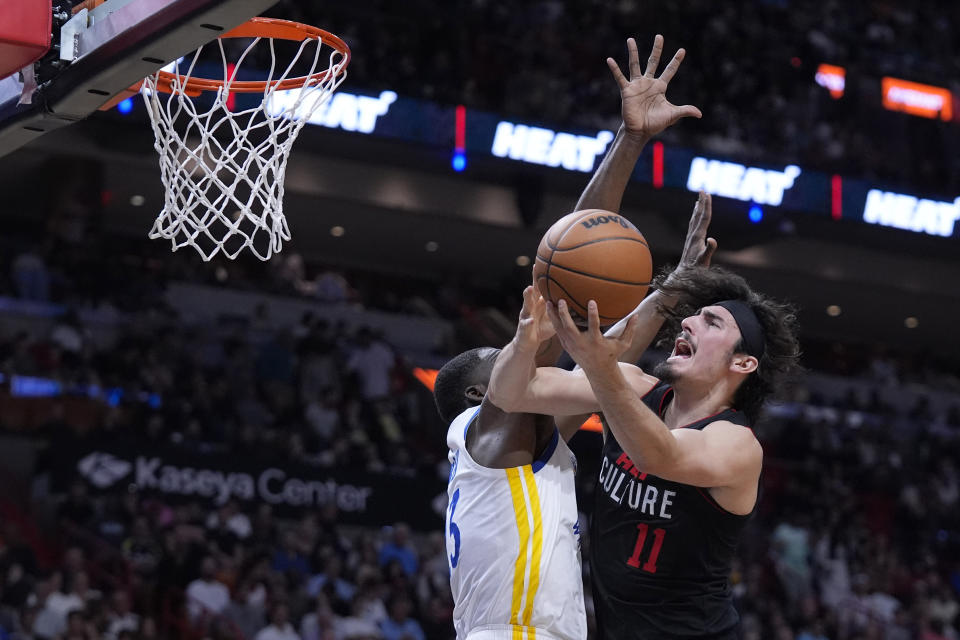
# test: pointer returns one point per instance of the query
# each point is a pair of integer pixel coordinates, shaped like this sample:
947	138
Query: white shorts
510	632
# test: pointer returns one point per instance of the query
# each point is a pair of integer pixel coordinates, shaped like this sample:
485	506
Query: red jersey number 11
650	566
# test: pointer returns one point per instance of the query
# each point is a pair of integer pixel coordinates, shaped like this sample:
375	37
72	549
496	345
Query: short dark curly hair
459	373
699	287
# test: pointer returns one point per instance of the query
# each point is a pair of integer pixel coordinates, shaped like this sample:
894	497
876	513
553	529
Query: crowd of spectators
857	537
750	68
315	393
190	572
857	534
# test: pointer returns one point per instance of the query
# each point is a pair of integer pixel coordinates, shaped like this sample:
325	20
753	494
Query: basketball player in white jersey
513	540
512	530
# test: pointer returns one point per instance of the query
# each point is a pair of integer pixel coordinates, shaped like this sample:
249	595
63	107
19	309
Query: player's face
488	357
704	347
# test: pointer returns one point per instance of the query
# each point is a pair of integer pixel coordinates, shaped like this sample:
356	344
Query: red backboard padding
24	33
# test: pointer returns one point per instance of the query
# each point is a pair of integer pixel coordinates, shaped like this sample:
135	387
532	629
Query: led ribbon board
549	148
924	100
740	182
789	187
903	211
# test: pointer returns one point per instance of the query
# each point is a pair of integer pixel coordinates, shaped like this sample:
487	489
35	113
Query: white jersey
513	543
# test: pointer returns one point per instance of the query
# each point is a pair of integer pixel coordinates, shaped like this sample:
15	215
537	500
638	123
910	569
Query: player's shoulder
488	418
641	381
736	437
457	430
732	426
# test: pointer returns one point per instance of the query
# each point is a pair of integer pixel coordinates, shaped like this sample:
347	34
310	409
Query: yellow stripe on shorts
523	528
518	632
537	546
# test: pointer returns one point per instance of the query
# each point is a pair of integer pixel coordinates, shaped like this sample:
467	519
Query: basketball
594	255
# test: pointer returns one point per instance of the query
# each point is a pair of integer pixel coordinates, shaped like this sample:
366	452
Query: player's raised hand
646	110
590	348
534	327
698	248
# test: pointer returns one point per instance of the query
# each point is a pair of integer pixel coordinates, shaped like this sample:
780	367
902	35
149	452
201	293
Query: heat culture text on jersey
662	570
626	485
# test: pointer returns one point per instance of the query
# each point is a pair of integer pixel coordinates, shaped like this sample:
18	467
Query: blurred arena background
194	450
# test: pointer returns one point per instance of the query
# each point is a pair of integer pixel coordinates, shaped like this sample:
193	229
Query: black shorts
731	634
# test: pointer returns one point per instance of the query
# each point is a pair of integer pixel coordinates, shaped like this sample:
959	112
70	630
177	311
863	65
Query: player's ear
742	363
475	392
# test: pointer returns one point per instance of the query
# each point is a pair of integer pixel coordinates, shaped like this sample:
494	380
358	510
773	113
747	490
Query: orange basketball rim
273	28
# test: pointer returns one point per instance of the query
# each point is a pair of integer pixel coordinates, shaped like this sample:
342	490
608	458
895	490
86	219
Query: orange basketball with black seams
594	255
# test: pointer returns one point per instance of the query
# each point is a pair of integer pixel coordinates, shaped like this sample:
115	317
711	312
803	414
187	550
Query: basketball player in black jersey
680	469
462	383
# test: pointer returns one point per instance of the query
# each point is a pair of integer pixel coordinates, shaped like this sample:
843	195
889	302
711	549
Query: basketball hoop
223	171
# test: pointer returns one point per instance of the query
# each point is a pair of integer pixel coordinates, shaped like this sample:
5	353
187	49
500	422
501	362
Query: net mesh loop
223	171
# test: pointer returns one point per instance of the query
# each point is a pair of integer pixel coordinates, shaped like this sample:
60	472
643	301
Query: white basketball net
223	171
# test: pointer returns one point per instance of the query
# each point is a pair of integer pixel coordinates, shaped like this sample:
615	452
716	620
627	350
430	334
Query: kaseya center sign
181	476
272	485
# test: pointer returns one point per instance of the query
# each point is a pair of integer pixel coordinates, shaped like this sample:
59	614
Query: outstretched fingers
617	74
633	59
654	60
686	111
673	65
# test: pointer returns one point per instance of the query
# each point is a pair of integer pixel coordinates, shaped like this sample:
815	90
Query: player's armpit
569	425
722	454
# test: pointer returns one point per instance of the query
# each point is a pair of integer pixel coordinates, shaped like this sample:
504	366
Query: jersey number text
455	531
650	566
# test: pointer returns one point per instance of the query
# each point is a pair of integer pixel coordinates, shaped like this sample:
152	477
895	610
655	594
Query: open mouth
682	349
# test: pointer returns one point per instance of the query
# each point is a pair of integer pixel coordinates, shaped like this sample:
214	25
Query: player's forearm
516	386
606	187
641	434
649	322
511	376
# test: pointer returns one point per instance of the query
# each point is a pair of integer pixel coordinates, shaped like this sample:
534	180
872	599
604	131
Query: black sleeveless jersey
660	551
